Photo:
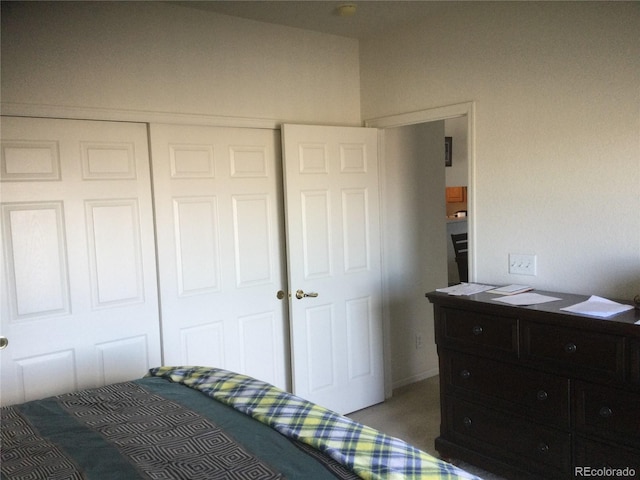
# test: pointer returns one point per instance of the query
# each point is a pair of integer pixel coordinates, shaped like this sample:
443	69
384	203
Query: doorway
410	334
466	110
456	197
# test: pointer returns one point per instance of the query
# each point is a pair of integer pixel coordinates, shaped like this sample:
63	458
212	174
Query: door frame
412	118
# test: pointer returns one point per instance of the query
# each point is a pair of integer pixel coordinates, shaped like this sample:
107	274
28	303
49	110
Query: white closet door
218	200
333	250
79	291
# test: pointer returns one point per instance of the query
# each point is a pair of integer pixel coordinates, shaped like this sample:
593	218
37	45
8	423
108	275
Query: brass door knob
300	294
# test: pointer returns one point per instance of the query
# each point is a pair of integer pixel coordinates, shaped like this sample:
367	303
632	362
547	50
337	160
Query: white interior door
218	199
79	292
333	249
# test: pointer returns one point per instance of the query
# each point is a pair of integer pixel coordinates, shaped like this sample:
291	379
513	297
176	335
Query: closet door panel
218	201
38	268
197	251
79	296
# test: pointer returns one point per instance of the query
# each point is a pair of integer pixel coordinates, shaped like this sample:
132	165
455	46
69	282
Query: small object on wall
448	149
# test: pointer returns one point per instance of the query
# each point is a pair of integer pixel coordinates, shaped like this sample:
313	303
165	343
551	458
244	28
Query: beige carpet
413	415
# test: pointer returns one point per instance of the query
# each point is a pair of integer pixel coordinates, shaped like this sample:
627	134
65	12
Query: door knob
4	341
300	294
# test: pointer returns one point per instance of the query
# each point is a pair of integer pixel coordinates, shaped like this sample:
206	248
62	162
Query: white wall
415	251
557	129
158	57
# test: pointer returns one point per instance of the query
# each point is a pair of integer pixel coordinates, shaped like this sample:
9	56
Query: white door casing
333	249
79	297
218	200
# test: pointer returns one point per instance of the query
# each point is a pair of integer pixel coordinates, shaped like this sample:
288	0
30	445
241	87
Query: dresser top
551	310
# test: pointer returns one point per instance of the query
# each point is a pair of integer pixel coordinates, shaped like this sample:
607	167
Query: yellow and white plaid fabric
369	453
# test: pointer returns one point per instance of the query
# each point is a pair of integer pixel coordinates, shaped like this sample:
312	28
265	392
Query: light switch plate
522	264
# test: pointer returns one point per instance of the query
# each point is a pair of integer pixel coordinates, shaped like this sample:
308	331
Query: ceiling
370	18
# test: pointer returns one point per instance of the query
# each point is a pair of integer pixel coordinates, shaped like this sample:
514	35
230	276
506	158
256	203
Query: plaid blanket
369	453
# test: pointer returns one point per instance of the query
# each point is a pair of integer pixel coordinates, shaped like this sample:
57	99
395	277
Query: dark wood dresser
536	392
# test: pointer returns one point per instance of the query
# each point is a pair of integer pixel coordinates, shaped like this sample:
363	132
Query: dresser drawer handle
477	330
466	421
465	374
570	348
605	412
543	448
542	395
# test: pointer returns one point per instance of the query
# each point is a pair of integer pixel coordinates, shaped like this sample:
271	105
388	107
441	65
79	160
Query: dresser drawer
525	444
490	334
538	395
608	413
573	351
596	455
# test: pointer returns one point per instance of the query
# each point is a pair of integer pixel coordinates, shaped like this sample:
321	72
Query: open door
334	266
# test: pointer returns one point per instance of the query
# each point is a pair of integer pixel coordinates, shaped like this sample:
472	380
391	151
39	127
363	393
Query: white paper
526	299
511	289
598	307
465	289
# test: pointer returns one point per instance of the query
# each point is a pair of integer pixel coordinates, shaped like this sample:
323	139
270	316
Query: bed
199	423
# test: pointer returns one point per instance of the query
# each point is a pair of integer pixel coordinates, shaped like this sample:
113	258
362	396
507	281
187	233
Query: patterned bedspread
369	453
157	428
149	429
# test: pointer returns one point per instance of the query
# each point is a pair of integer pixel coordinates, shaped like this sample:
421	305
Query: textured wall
556	86
153	56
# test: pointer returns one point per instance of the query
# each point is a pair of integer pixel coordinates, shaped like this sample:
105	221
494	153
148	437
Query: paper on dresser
465	289
511	289
523	299
598	307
